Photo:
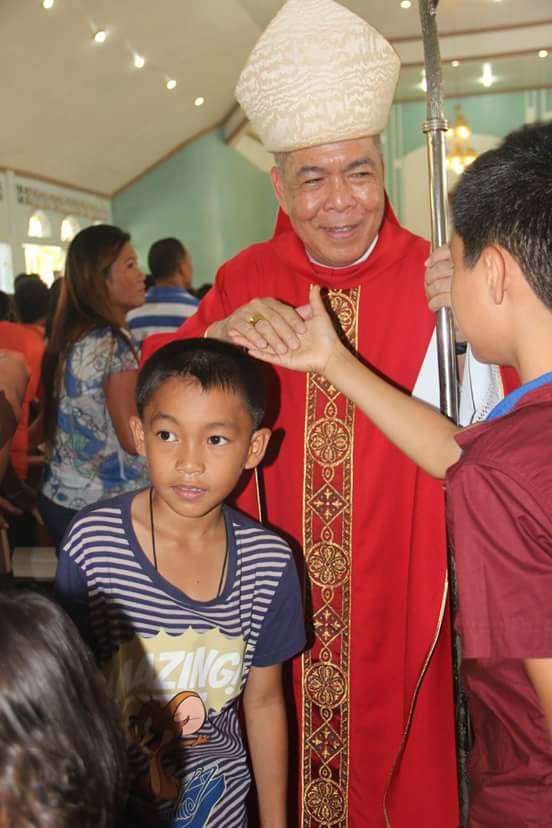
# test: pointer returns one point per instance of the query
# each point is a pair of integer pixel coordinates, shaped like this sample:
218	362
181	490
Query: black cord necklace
154	549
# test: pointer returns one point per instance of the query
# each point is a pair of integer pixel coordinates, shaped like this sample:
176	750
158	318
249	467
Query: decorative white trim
66	205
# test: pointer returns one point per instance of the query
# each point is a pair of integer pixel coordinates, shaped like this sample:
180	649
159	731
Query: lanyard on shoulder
508	403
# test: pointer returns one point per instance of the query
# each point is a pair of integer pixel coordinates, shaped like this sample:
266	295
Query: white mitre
318	74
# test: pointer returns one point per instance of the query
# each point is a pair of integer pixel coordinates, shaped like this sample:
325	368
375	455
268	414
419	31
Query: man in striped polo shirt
169	302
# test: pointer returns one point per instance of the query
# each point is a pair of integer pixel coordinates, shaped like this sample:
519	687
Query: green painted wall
486	114
208	196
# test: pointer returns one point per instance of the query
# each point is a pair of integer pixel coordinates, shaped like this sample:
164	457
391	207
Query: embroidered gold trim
327	530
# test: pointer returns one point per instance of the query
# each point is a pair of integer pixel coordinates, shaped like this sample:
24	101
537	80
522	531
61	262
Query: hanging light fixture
460	153
487	77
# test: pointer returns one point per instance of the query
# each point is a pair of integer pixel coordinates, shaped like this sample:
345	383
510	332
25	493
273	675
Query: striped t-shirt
175	666
164	310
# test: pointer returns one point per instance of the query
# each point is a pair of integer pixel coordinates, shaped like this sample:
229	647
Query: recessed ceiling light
199	101
100	36
405	4
47	4
171	83
139	61
455	63
543	53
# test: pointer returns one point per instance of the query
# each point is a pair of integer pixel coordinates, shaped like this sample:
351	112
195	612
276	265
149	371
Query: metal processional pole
435	128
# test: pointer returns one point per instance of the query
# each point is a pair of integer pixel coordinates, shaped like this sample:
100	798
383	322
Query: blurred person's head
31	300
63	757
6	307
102	283
170	263
21	276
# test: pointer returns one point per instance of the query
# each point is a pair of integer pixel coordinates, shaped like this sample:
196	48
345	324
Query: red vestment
374	692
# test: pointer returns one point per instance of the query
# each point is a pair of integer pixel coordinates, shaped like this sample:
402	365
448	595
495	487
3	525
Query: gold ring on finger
256	317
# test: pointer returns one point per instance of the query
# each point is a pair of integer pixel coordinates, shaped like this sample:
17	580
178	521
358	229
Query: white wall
20	197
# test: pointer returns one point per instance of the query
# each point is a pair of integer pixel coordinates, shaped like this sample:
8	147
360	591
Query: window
39	226
69	228
45	259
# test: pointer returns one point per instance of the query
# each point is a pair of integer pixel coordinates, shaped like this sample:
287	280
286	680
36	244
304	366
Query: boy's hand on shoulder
317	344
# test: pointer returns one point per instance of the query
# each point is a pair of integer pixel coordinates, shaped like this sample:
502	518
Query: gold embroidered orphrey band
327	529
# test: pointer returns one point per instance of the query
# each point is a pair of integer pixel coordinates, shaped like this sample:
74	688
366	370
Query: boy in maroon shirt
499	473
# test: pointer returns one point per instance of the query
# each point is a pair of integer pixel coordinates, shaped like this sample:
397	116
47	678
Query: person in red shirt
14	377
498	473
26	336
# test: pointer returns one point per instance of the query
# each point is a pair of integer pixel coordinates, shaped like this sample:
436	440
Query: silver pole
435	128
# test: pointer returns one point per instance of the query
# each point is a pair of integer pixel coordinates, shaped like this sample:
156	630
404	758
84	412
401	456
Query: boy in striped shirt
187	604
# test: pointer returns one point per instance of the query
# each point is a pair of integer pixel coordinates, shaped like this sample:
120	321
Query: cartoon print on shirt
171	690
159	730
198	797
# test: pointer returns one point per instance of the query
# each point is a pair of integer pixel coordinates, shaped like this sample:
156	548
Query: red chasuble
374	691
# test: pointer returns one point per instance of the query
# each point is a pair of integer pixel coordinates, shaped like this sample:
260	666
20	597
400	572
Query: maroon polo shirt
500	524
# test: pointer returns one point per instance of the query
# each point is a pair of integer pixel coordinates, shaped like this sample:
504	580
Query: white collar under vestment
357	261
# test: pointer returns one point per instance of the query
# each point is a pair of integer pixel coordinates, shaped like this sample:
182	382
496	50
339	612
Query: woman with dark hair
89	377
63	757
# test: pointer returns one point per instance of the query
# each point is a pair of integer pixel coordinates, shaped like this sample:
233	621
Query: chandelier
460	154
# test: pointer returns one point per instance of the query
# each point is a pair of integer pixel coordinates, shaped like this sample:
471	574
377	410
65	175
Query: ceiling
79	113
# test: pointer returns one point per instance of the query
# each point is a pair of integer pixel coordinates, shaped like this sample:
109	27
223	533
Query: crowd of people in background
69	356
80	339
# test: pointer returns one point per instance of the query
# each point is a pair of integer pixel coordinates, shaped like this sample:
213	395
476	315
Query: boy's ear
257	447
496	273
138	434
